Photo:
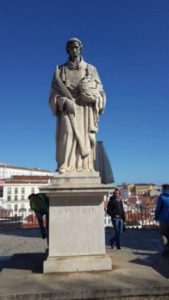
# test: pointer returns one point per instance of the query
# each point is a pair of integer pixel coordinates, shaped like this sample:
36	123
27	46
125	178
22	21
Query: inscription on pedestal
75	210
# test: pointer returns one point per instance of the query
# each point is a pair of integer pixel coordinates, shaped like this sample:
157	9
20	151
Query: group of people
116	211
39	203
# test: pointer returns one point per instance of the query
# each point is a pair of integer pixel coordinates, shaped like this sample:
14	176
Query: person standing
116	211
162	215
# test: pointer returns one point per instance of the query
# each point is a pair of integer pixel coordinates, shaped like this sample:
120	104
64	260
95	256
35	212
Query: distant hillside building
143	188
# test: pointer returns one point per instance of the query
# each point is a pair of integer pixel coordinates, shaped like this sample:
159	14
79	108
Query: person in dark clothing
162	216
39	203
116	211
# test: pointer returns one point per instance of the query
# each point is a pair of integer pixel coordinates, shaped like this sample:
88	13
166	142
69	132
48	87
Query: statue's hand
61	102
65	104
69	106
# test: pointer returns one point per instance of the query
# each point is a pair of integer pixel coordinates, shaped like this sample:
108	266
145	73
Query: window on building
16	190
15	207
1	191
8	197
9	190
22	190
22	197
16	197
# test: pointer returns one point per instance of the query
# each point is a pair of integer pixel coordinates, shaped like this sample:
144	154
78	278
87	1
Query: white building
15	192
6	171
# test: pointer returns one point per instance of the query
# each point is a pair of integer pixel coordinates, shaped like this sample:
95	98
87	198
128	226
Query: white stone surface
77	264
76	178
77	98
76	229
73	217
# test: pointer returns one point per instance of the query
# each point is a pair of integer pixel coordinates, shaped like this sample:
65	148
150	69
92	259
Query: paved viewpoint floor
139	271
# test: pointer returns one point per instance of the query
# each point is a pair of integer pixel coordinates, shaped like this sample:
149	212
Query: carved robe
76	132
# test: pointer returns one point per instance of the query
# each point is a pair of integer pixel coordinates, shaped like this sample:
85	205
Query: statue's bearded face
74	50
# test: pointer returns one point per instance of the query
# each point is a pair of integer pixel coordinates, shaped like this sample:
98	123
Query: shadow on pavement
34	232
138	239
22	261
145	244
159	263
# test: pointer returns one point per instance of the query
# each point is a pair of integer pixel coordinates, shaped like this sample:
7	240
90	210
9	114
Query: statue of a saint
77	98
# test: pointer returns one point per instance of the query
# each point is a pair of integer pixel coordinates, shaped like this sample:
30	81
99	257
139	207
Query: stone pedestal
76	224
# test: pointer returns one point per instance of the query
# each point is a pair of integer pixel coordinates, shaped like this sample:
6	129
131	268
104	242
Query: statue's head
74	43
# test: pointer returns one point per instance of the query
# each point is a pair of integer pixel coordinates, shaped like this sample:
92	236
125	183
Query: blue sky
128	42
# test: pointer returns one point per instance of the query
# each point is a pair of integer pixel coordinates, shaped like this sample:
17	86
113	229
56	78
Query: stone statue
76	98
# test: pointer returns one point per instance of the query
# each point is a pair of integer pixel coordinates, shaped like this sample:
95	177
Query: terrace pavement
139	271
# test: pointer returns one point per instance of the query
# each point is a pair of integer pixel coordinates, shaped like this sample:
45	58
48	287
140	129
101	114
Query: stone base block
77	264
76	178
76	226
